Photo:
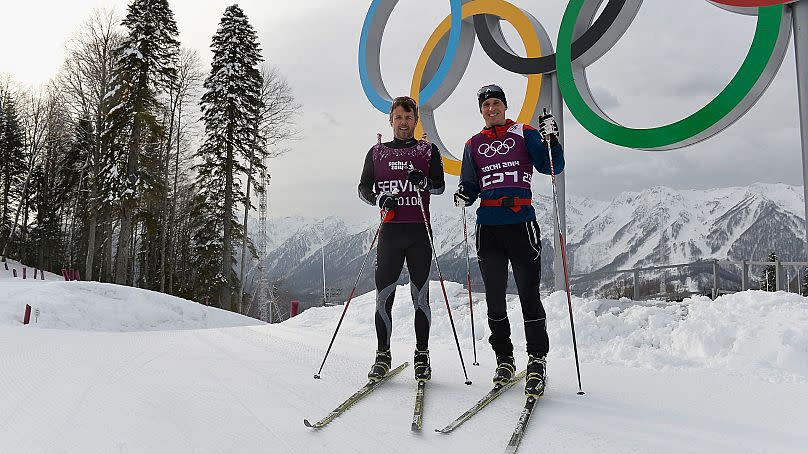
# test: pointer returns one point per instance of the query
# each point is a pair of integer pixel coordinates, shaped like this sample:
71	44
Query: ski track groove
360	426
236	357
103	372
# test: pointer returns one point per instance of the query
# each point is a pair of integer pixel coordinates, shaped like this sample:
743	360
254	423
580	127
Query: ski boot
381	366
536	375
423	371
505	370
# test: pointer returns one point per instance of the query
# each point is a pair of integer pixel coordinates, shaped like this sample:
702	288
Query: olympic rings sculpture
582	40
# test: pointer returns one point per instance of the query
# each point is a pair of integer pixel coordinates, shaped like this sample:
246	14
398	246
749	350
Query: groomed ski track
246	389
723	376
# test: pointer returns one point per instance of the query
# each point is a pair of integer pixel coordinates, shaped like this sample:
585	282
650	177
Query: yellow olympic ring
523	26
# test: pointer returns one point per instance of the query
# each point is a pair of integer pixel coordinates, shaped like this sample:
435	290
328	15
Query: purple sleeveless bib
390	167
502	162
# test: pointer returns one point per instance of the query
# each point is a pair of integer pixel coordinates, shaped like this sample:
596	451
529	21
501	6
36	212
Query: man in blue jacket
498	165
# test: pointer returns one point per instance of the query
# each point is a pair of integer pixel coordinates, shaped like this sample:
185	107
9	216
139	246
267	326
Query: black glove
418	179
547	125
461	198
387	201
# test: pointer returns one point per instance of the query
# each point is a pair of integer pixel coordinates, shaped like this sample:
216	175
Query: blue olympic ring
379	100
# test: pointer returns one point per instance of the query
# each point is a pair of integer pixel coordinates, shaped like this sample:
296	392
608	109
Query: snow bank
749	333
93	306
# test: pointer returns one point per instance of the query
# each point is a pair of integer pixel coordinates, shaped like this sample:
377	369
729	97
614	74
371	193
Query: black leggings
398	242
521	245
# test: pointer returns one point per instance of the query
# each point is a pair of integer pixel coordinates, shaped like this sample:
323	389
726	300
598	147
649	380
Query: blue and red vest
390	168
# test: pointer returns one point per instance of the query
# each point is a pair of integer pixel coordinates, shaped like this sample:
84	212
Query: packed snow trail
703	376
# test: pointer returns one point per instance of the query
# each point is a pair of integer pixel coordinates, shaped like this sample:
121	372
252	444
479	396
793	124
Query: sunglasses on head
489	89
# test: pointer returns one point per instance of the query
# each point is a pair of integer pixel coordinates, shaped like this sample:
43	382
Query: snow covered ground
110	369
92	306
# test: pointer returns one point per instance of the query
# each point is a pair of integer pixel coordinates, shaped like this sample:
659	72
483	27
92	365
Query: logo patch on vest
399	165
496	147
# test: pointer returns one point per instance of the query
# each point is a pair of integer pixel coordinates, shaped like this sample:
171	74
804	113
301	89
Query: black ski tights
399	242
521	245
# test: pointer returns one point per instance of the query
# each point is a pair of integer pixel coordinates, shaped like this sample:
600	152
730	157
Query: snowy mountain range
657	226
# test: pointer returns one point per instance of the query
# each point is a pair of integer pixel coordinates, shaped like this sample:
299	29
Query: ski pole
356	283
468	281
564	261
442	286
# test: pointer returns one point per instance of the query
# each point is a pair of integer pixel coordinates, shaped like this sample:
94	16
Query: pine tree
146	65
73	181
804	282
230	106
50	202
769	276
12	164
4	174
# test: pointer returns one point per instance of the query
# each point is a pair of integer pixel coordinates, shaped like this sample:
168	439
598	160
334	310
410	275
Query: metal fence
782	277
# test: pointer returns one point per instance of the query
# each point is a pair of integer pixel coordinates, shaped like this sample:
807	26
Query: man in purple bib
497	167
394	172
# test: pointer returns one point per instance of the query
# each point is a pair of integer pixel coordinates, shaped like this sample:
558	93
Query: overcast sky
675	57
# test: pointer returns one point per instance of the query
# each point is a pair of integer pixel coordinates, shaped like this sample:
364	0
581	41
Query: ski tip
442	431
307	423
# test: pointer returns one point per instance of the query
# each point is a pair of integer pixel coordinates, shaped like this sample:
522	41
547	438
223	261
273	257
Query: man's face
403	123
493	111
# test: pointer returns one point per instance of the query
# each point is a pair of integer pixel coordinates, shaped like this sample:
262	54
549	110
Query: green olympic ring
763	60
752	3
765	55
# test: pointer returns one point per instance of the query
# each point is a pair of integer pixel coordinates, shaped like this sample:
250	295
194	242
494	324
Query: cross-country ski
356	397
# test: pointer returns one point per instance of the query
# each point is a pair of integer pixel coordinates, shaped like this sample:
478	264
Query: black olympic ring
546	63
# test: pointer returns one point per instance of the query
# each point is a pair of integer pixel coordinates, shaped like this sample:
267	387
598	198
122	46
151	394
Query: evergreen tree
769	276
206	256
146	66
804	282
49	202
12	163
230	106
4	177
72	181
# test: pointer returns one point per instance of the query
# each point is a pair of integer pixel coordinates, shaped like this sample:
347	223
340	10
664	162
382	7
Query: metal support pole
636	285
787	285
745	276
558	264
800	24
322	252
715	278
778	271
